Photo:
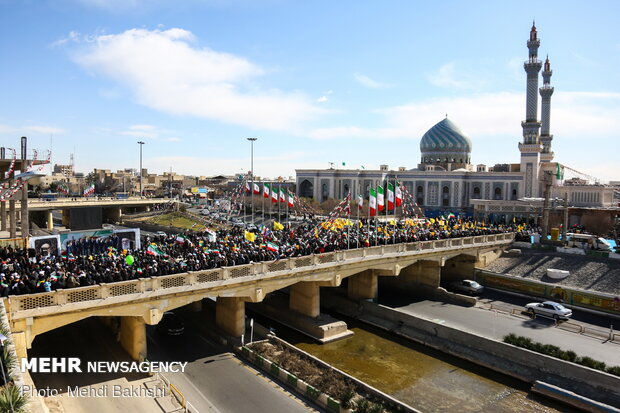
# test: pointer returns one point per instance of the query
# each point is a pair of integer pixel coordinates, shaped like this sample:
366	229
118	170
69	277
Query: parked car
205	212
171	324
467	286
549	309
161	234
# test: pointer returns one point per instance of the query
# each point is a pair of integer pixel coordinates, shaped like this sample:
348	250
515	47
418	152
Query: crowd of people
91	262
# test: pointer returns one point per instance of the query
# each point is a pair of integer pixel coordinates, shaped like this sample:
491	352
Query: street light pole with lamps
252	140
140	143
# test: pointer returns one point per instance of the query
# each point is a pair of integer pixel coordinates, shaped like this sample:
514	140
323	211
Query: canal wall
505	358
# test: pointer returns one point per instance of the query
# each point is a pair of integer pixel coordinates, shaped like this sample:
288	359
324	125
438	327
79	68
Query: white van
587	241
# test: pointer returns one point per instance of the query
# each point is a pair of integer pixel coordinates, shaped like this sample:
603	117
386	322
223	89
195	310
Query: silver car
467	286
549	309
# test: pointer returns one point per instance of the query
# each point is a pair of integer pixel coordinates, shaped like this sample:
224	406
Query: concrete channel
420	376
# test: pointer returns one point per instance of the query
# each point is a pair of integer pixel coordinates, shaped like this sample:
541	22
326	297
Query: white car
549	309
161	234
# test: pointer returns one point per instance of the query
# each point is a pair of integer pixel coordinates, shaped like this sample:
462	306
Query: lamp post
140	143
252	140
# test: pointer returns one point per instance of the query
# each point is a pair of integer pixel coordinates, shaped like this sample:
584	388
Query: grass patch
555	351
177	220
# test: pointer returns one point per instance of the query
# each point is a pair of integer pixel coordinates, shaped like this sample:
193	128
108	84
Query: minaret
545	93
531	147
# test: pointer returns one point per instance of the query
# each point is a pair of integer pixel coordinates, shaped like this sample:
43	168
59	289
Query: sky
317	82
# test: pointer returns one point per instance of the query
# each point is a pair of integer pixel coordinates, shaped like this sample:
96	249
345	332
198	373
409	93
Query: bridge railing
212	277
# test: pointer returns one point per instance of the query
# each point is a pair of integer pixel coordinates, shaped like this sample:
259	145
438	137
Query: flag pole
262	202
357	238
394	229
286	207
278	200
349	221
368	221
386	197
245	194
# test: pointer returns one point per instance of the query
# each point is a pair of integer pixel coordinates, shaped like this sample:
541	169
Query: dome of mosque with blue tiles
445	137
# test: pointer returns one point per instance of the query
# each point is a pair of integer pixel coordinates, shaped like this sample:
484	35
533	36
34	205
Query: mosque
446	181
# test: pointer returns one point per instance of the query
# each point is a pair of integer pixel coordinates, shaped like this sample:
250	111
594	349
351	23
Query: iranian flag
380	199
291	200
282	196
247	187
399	195
390	196
182	239
274	195
256	189
372	202
360	201
266	190
153	250
272	247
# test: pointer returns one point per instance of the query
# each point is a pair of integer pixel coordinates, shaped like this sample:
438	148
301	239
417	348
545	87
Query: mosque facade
445	179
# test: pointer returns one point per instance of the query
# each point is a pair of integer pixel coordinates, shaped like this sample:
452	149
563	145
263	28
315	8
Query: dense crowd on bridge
92	262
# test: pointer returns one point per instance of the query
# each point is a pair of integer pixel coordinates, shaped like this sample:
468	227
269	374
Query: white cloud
448	77
368	82
574	115
168	72
44	130
150	132
322	99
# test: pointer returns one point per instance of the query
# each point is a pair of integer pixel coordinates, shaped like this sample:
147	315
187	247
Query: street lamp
252	140
140	143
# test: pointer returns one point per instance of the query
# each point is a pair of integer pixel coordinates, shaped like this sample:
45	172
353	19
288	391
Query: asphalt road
496	324
215	380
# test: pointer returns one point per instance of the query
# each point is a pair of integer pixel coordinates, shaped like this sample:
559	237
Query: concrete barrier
505	358
571	399
309	391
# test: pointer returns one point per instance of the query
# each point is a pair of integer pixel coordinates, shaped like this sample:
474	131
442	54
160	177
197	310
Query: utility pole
140	143
565	226
252	140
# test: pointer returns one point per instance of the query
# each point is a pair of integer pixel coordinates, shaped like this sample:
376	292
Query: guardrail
174	391
207	278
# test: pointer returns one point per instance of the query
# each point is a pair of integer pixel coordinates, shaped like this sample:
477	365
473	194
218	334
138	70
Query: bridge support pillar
21	346
66	218
50	220
230	315
12	219
2	216
133	337
363	286
305	298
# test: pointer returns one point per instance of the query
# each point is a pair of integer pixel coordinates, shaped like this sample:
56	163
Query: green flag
559	172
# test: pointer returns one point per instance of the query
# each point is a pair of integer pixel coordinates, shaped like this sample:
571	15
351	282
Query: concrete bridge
100	209
419	267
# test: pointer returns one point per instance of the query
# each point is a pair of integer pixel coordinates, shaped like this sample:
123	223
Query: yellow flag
431	220
250	236
277	226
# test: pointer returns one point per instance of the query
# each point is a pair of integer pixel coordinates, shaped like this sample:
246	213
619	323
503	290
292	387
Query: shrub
590	362
615	370
12	399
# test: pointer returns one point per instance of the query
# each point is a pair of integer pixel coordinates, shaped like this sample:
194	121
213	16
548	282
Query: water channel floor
424	378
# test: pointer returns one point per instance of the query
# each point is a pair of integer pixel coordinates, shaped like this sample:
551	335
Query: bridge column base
230	315
66	218
133	337
363	286
305	298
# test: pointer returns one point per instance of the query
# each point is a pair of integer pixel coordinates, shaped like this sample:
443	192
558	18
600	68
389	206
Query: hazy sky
315	81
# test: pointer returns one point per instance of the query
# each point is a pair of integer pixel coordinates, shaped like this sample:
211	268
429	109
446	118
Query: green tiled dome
445	137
